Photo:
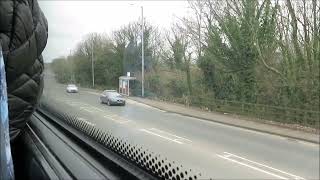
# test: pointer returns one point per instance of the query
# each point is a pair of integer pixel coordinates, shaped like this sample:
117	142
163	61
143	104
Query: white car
71	88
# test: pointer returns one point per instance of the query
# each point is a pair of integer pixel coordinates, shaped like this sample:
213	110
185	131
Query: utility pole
92	65
142	53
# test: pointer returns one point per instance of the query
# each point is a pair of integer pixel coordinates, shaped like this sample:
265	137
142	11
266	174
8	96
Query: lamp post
92	65
142	52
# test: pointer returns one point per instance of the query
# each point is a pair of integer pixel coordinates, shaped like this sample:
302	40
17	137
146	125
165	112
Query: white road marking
76	103
296	177
123	122
258	166
159	135
164	132
117	119
84	105
85	120
161	110
98	109
86	109
110	116
130	101
255	168
94	93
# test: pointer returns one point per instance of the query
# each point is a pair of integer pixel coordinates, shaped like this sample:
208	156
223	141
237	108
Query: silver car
112	97
71	88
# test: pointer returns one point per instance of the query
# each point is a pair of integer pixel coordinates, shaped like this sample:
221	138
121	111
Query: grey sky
70	21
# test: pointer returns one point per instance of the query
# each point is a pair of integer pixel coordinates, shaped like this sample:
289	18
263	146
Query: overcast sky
69	21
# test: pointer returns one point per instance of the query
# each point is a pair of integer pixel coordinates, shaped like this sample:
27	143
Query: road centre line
117	120
110	116
179	138
164	137
85	105
85	121
228	156
77	103
97	108
124	121
86	109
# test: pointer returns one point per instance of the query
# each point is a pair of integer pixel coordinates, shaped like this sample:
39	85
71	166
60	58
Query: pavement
231	120
214	149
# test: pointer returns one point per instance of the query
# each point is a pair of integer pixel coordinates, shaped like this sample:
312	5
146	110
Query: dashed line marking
170	134
98	109
167	135
117	119
164	137
86	109
85	121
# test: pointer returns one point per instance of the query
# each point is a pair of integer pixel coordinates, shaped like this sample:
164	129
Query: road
216	150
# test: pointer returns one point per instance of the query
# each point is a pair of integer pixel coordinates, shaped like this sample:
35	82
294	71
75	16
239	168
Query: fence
285	115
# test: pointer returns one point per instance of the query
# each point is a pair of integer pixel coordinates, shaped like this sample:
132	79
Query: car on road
112	97
71	88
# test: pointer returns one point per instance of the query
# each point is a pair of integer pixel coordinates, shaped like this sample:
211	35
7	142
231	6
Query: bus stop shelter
124	85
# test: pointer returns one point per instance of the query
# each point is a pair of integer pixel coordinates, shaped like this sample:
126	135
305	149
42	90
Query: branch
272	69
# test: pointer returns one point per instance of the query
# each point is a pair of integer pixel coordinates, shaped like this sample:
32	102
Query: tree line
264	52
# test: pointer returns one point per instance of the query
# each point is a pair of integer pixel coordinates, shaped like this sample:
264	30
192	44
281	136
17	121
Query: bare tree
181	55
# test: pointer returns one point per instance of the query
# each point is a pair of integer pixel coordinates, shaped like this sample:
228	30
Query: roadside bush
177	88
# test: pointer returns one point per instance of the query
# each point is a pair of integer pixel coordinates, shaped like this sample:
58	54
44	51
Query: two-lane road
216	150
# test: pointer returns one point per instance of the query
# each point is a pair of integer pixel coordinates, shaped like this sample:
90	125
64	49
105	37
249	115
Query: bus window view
225	89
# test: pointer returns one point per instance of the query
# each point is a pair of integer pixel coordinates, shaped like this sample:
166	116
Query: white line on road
229	157
255	168
117	119
84	105
123	122
164	132
130	101
294	176
86	109
98	109
94	93
110	116
75	103
164	137
85	120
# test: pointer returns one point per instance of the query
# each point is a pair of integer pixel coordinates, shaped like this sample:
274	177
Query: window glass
229	89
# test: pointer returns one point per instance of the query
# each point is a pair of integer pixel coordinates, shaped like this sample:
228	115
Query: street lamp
92	65
142	52
71	67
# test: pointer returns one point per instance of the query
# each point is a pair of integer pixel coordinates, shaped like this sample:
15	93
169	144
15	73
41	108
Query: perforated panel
153	163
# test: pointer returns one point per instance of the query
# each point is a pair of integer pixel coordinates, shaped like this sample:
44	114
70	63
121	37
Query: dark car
112	97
